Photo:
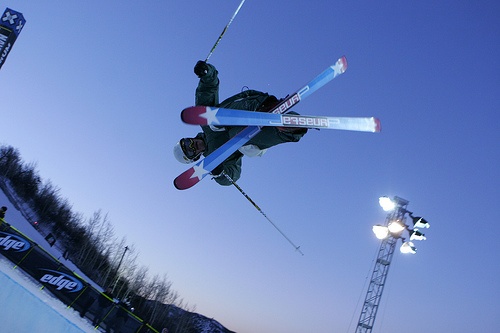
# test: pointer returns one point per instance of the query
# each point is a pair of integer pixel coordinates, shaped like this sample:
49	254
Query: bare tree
46	202
25	181
94	256
10	160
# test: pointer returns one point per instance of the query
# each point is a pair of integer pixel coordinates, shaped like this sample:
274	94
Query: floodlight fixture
395	227
408	247
380	231
416	235
419	222
387	204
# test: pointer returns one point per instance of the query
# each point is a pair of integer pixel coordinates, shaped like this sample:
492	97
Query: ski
202	168
206	115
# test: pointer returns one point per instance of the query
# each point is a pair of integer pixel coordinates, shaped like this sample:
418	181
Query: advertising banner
11	24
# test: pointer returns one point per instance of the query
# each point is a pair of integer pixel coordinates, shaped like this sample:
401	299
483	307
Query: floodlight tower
389	233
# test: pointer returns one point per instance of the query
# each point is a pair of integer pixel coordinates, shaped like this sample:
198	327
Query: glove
201	68
270	102
217	172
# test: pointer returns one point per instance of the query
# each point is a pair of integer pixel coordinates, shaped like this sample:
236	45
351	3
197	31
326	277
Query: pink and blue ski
206	115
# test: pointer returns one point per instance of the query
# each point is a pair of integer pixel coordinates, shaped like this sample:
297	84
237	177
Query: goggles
188	148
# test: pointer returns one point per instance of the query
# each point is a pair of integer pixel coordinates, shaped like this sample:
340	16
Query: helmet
179	154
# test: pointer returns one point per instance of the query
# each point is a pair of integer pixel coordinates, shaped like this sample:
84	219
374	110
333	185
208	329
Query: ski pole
297	248
224	31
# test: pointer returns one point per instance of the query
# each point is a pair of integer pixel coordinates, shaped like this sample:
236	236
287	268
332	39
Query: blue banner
11	24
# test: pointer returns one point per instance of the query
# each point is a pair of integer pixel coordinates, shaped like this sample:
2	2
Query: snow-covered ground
26	308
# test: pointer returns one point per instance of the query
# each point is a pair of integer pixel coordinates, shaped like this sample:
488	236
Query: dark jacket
207	94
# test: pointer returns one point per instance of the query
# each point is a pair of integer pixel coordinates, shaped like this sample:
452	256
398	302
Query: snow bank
26	308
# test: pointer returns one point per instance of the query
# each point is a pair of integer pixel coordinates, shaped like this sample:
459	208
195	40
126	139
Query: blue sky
92	91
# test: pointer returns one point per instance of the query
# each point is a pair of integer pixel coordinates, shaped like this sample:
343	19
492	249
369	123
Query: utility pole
117	268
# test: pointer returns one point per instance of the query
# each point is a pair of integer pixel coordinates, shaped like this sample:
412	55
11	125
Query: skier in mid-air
189	150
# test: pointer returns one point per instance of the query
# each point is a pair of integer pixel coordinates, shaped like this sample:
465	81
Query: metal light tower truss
380	271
